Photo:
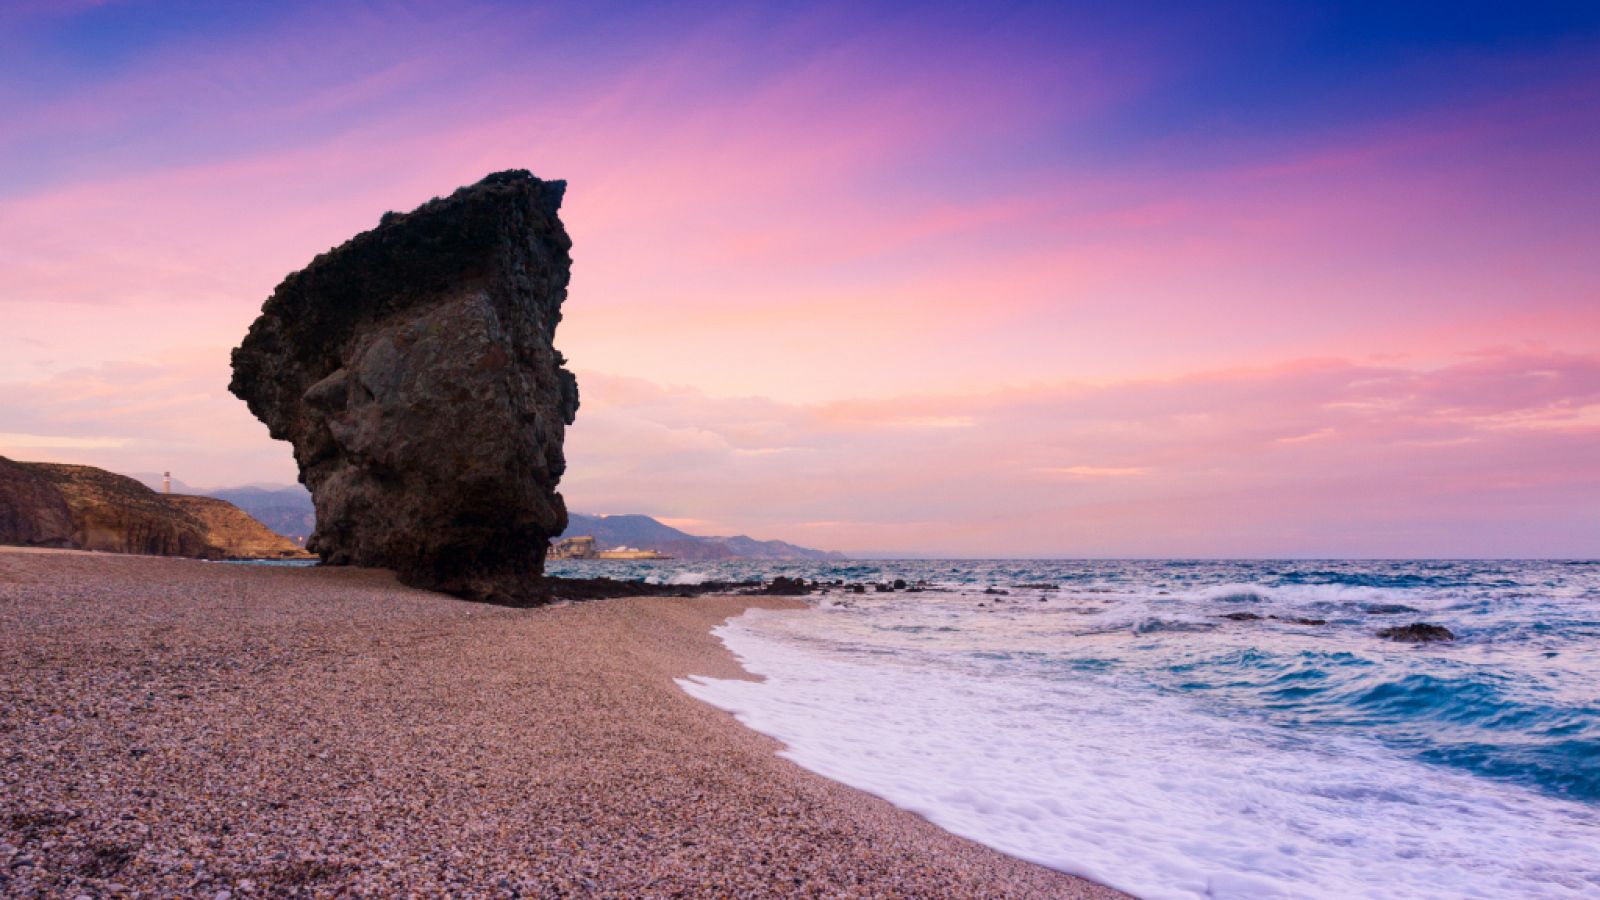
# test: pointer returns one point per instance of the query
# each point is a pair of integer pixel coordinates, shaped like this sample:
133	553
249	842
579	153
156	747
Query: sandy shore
177	728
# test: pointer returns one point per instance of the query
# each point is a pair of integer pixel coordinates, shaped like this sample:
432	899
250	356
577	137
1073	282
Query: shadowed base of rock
542	591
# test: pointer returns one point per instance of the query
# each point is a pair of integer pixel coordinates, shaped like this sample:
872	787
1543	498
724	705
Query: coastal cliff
413	370
82	507
32	512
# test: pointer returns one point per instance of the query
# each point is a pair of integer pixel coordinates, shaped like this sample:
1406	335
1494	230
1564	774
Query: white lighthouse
166	482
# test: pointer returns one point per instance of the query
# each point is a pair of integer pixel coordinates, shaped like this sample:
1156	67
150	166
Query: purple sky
980	280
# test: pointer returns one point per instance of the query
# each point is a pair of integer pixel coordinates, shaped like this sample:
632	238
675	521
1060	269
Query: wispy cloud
11	443
1439	448
942	279
1096	471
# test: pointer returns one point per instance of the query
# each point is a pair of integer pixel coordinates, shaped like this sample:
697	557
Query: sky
985	279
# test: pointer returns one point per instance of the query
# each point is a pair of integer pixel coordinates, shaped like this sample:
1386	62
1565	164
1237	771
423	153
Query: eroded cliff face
82	507
413	370
32	512
117	514
232	530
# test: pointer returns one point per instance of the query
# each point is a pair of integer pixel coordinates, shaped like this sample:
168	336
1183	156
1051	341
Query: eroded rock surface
414	371
1418	633
32	512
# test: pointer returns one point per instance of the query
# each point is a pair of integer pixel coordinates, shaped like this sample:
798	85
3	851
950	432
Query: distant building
584	548
574	548
630	553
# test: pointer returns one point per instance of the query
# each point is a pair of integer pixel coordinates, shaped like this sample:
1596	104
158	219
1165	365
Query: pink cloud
1131	467
865	320
169	411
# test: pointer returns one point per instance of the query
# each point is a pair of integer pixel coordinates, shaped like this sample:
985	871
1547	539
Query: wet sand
178	728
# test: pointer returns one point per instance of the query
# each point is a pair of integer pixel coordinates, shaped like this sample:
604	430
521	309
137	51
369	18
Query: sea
1182	729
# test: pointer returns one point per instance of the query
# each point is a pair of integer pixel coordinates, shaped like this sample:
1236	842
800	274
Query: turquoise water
1516	697
1253	699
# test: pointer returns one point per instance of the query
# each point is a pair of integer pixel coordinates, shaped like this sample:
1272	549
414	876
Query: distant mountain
287	509
645	533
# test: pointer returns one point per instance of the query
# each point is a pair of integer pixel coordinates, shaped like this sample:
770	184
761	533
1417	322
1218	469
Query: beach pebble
342	735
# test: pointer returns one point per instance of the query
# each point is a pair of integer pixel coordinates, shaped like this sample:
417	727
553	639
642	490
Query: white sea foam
1311	597
689	578
1142	791
683	578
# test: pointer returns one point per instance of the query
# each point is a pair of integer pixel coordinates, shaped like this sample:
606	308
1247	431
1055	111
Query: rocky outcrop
1417	633
784	586
56	505
32	512
234	531
117	514
414	372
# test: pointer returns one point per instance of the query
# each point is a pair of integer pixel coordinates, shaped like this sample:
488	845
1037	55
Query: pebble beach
177	728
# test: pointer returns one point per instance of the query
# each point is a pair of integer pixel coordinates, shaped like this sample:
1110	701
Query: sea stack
413	369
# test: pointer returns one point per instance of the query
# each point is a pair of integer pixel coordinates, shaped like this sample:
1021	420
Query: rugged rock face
32	512
55	505
234	531
119	515
413	370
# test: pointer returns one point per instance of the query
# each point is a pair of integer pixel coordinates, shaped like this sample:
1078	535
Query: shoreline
171	726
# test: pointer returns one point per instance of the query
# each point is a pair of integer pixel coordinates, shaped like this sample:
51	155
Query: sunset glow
1035	281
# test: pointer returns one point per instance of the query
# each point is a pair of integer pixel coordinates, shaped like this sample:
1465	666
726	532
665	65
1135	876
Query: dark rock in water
32	511
996	591
1418	633
414	371
540	591
787	587
1387	609
883	587
1038	587
899	584
1256	617
858	588
1299	621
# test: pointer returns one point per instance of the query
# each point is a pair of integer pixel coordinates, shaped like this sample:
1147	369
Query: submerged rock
414	371
1299	620
1418	633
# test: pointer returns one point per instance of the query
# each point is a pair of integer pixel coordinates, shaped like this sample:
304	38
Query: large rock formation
413	370
56	505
